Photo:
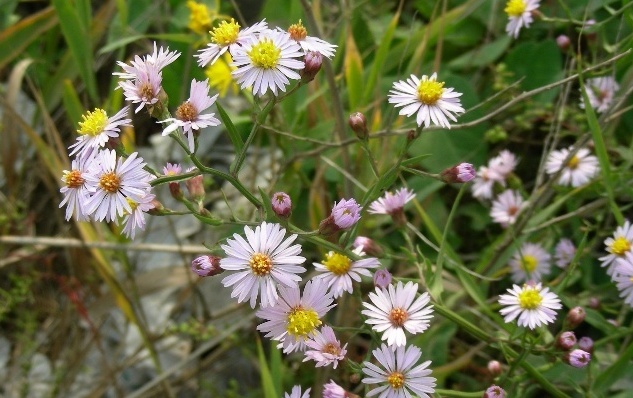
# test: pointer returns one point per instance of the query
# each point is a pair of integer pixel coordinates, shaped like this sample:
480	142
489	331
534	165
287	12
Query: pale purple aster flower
503	164
263	262
391	203
494	392
299	34
484	182
189	114
579	170
333	390
206	265
393	310
399	375
267	62
295	318
601	92
530	263
564	252
296	393
144	88
506	208
281	204
338	271
577	358
532	304
382	278
520	15
136	218
75	190
157	60
227	37
428	98
346	213
623	277
96	129
324	348
113	180
160	57
172	169
617	246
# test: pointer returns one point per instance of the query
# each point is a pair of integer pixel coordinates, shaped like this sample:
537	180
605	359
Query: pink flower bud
594	303
586	344
575	317
344	215
313	61
382	278
463	172
195	186
494	392
494	367
282	205
577	358
566	341
563	42
206	266
358	123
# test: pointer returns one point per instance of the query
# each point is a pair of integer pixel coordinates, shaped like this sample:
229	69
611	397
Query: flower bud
586	344
494	367
174	189
358	123
282	205
577	358
368	246
313	61
333	390
566	341
206	266
494	392
157	207
563	42
575	317
594	303
462	172
382	278
589	30
344	215
195	186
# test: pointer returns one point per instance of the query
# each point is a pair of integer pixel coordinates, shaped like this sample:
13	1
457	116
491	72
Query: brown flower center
187	112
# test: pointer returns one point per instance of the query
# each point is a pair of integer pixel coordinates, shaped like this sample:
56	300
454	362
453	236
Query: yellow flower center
93	123
302	322
297	31
187	112
261	264
398	316
515	8
109	182
337	264
396	379
530	299
573	162
430	91
199	18
220	77
73	179
529	263
132	203
620	246
225	33
265	54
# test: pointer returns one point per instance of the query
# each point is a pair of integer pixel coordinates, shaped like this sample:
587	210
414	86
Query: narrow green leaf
16	38
353	73
234	135
415	159
84	12
380	58
268	207
268	384
621	368
72	104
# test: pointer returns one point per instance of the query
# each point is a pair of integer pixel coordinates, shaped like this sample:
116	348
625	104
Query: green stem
463	323
450	393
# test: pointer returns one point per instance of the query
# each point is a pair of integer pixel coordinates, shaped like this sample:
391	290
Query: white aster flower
393	310
261	262
428	98
338	270
520	15
533	305
189	114
96	129
296	393
506	208
299	34
399	375
113	180
577	171
136	218
530	263
564	252
75	190
227	37
267	62
617	246
294	318
623	277
391	203
601	92
324	348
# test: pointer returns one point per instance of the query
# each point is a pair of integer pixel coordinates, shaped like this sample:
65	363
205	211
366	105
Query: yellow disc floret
261	264
226	33
220	77
93	123
573	162
430	91
530	298
620	246
133	204
265	54
73	179
398	316
529	263
337	264
109	182
302	322
515	8
396	379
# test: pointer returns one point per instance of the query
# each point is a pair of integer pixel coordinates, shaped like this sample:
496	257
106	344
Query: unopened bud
368	246
463	172
157	207
358	123
577	358
566	341
586	344
594	303
313	61
563	42
494	392
174	189
494	367
195	186
282	205
206	266
589	30
575	317
382	278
